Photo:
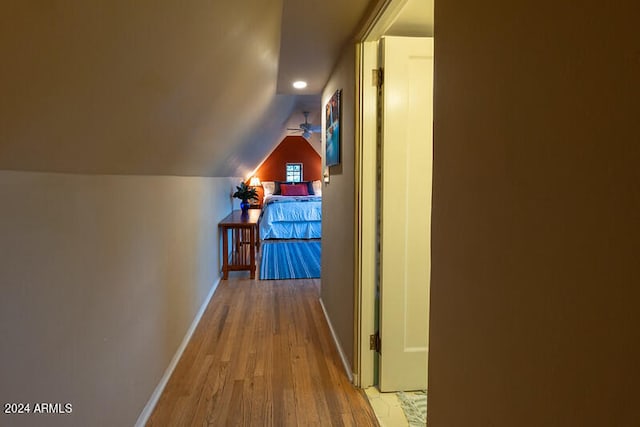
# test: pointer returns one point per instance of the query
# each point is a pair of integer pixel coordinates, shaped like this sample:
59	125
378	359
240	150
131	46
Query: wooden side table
240	253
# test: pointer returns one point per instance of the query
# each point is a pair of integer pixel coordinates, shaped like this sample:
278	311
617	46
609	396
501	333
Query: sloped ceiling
161	87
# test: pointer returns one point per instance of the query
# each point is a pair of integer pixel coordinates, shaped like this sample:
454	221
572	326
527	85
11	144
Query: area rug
414	405
290	260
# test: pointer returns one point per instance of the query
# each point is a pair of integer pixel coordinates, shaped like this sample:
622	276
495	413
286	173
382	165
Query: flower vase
244	206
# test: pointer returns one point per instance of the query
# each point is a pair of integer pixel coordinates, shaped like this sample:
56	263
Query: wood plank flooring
262	355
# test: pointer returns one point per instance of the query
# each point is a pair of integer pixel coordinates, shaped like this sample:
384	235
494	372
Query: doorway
393	183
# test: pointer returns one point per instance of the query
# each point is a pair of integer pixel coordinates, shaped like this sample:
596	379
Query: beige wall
141	87
338	212
101	278
536	235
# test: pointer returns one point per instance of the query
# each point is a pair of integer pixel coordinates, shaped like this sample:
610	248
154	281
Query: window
294	172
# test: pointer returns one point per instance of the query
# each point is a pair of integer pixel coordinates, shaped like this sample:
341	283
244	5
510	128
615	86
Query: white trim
367	220
343	357
382	16
155	396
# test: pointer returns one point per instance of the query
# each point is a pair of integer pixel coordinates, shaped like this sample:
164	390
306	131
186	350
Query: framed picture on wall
333	118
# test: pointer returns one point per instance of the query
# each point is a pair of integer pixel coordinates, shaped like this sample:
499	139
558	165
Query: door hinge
377	77
374	342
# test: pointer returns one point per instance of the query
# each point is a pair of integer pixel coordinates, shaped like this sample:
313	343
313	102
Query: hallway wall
536	238
338	212
101	277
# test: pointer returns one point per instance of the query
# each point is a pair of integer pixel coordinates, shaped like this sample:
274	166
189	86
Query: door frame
366	213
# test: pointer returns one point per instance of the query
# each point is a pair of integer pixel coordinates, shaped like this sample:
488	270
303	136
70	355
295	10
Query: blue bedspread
291	217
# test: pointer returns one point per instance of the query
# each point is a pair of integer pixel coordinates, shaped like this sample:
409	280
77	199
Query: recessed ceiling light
299	84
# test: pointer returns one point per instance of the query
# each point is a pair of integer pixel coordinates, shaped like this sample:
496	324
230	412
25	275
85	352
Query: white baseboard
343	357
155	396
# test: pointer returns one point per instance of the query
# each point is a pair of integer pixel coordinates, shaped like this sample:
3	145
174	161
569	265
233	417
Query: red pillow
294	190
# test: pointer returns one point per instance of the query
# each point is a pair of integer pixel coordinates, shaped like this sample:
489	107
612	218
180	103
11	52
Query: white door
405	211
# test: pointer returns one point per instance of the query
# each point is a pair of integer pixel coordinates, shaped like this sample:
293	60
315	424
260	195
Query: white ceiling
313	34
415	20
162	87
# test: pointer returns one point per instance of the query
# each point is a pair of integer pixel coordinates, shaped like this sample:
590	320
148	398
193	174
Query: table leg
225	254
252	251
257	238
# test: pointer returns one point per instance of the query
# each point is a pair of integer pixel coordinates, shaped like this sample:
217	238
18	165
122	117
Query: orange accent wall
292	149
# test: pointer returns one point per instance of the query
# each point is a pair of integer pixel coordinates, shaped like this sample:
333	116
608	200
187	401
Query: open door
405	211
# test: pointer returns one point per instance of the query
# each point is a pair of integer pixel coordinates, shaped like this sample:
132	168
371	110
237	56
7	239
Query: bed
291	215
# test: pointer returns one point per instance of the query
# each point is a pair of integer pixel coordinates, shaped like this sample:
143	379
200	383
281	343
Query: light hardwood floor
262	355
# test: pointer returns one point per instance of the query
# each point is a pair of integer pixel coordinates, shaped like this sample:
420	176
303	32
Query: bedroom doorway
394	201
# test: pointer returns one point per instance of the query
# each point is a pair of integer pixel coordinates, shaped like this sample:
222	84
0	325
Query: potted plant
245	193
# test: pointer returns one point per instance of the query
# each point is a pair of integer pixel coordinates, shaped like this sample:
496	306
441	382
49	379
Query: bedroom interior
289	227
292	149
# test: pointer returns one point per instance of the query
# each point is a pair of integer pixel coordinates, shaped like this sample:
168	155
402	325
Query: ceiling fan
306	128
